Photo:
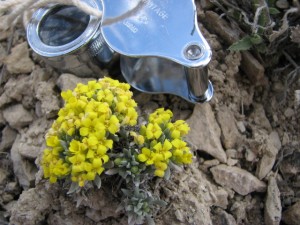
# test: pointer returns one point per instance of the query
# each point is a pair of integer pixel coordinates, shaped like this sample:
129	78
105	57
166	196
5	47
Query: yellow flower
181	154
160	116
153	131
77	147
138	139
92	127
179	129
159	173
130	117
113	125
91	142
52	141
146	156
180	145
164	149
160	168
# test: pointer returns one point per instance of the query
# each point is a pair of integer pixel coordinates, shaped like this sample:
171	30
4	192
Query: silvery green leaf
119	208
108	165
241	45
139	219
167	173
139	205
175	167
159	202
112	171
126	192
273	11
73	188
130	219
129	208
97	181
150	220
64	145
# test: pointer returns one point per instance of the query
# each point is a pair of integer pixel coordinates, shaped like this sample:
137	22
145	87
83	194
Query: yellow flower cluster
79	139
161	141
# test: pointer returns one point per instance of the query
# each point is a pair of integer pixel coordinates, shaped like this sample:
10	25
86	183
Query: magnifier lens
63	25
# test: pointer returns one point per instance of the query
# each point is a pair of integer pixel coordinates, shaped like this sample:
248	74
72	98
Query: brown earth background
245	140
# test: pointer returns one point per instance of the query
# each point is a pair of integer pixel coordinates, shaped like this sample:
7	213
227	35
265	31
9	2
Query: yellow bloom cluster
79	139
161	141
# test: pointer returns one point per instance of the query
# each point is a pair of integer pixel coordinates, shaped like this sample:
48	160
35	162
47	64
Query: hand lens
160	46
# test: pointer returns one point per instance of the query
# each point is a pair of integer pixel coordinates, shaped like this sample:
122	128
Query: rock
282	4
268	159
275	140
221	199
18	87
17	116
8	137
18	61
290	165
215	24
259	117
232	153
208	164
38	75
24	170
289	112
232	162
70	219
2	120
291	216
205	132
2	54
32	207
97	200
250	155
253	68
272	204
67	81
229	130
48	98
238	179
31	143
241	126
4	100
3	176
221	217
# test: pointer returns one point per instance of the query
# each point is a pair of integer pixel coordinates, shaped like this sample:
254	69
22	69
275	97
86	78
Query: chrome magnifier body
160	46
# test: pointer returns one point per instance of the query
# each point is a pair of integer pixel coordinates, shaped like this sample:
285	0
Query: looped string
12	10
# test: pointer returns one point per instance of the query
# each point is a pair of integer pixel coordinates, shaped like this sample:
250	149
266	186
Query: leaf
256	39
241	45
175	167
273	11
167	173
97	182
64	145
108	165
159	202
112	171
126	192
73	188
150	220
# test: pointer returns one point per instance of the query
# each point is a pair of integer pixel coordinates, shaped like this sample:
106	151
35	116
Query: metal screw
193	52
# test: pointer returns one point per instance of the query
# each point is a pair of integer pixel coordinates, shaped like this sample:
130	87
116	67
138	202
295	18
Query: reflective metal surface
162	48
68	39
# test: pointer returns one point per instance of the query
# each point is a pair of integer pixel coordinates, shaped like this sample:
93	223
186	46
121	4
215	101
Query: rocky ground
245	141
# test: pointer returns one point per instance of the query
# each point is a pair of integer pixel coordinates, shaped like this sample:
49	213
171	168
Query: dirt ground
246	143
